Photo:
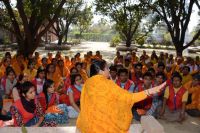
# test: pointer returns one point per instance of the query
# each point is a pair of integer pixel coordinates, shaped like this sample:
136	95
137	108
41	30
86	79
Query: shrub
115	41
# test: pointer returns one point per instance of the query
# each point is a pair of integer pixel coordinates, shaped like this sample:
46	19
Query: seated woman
52	75
67	83
39	80
8	82
27	111
50	104
74	93
193	87
30	70
17	88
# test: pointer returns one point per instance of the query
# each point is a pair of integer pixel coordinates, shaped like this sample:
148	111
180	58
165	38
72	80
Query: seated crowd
46	91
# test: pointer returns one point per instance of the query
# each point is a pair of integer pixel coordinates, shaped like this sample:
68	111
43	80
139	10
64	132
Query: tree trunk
60	38
128	42
179	50
26	48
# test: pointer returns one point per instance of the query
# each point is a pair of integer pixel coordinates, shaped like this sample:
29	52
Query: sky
193	20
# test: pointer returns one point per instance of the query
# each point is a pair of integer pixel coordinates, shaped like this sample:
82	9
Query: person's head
98	53
28	91
40	73
147	77
127	62
113	71
10	73
31	64
196	79
133	54
73	60
73	70
171	57
153	72
8	55
60	63
50	55
7	62
76	79
19	57
118	54
168	68
166	55
138	68
48	87
149	64
176	80
160	77
54	61
22	78
119	66
44	61
144	52
186	70
99	67
79	66
161	67
37	55
123	75
50	68
66	58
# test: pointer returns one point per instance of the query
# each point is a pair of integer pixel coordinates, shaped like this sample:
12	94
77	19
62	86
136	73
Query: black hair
39	70
96	66
196	76
147	74
73	69
46	85
9	69
161	64
31	61
78	63
151	70
161	74
187	67
25	87
138	64
48	66
73	78
176	74
113	68
124	70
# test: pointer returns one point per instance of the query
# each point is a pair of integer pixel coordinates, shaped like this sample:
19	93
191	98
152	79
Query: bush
75	41
115	41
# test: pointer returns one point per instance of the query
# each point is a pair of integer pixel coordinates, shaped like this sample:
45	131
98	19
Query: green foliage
126	14
116	40
85	19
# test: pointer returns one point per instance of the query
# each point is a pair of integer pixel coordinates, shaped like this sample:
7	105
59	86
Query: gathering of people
48	91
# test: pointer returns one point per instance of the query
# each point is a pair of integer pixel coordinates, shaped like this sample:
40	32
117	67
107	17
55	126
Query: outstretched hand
157	89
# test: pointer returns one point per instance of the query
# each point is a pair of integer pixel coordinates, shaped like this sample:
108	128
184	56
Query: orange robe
84	75
2	70
64	72
105	107
56	78
18	68
195	91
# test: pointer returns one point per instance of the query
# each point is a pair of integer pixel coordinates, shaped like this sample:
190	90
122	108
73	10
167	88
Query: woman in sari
50	104
105	107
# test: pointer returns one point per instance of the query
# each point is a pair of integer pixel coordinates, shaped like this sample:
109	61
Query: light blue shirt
78	87
131	89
